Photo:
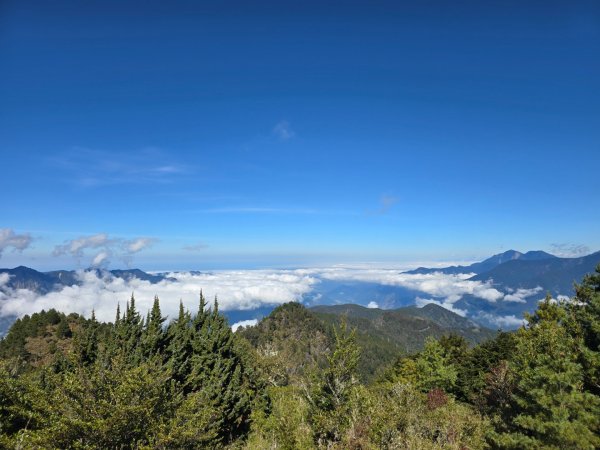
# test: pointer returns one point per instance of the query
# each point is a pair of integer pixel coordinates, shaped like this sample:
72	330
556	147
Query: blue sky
281	134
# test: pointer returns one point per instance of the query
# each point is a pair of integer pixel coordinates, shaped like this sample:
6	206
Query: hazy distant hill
43	282
555	275
489	263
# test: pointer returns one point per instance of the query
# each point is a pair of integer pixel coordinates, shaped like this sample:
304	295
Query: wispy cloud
386	202
76	247
136	245
108	246
11	240
520	295
94	168
509	321
257	210
198	247
283	131
569	250
420	302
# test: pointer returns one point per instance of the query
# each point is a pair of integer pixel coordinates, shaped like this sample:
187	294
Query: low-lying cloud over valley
249	290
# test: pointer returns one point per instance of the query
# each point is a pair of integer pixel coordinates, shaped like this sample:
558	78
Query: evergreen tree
332	394
552	409
154	339
179	348
217	374
583	323
86	341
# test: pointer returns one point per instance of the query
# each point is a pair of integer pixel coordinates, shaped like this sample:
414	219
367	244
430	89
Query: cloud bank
247	289
236	290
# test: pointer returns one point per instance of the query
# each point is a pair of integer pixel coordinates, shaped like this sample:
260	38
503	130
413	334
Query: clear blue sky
290	133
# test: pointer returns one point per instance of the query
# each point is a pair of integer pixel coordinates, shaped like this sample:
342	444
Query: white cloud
569	250
511	321
124	249
195	247
283	130
9	239
100	258
386	202
372	305
420	302
76	247
437	284
93	168
4	277
138	244
244	323
520	295
236	290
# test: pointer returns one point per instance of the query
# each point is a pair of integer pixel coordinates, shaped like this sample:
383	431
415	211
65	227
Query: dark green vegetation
296	381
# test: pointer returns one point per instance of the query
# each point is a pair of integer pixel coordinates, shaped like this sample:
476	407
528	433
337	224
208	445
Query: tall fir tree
551	407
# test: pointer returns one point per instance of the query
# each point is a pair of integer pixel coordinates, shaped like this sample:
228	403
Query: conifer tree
552	409
217	372
86	342
179	348
331	394
154	339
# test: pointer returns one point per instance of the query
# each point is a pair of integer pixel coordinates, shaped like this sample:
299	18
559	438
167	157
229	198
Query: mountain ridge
486	264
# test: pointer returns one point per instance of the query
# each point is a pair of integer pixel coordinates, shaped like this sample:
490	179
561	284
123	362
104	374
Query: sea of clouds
246	290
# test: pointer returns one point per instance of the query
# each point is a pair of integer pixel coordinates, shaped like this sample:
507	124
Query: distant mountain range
43	282
495	292
490	263
554	275
515	270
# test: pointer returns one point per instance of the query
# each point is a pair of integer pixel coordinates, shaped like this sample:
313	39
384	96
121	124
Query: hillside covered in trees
299	380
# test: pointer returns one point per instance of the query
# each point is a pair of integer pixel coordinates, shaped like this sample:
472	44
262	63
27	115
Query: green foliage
429	369
292	383
292	342
551	407
402	417
333	396
286	425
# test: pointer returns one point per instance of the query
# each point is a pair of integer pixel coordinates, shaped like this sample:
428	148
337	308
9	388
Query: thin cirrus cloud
92	168
283	130
11	240
258	210
569	250
198	247
386	203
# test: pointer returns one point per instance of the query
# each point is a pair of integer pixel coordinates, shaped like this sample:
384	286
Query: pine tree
583	323
331	395
154	339
86	342
179	348
217	373
551	407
